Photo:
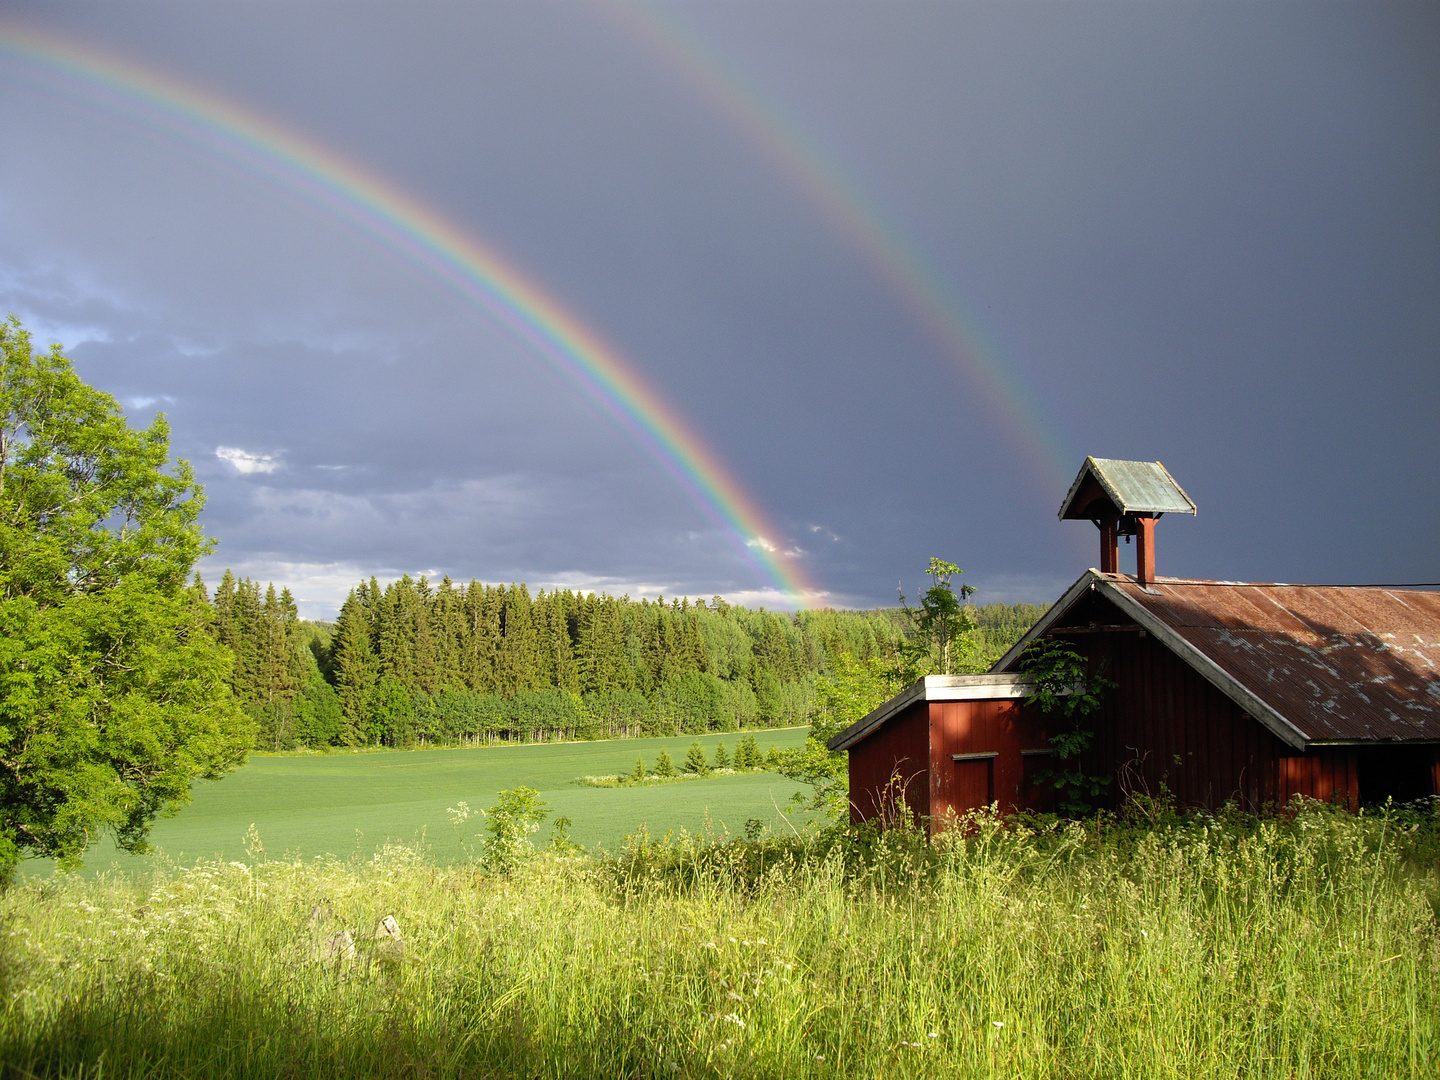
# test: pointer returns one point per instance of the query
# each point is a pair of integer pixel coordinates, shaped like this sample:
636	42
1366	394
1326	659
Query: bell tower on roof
1125	498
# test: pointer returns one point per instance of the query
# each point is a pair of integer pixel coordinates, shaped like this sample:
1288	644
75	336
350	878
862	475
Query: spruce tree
639	773
357	669
427	668
395	631
663	765
601	652
747	754
722	759
448	634
695	759
482	622
517	664
246	642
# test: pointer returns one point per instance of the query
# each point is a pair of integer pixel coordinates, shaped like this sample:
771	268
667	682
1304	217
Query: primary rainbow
402	222
1005	397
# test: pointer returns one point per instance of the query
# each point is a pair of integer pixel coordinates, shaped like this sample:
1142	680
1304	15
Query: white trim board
991	686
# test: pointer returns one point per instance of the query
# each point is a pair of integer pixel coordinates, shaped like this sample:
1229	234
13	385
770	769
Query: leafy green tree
392	713
639	773
852	689
318	720
944	627
1066	687
114	695
663	765
722	759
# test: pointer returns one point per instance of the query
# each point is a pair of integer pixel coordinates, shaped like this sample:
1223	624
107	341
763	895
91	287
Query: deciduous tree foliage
114	695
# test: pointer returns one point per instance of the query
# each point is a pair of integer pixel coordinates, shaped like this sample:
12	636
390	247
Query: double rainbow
1001	396
403	223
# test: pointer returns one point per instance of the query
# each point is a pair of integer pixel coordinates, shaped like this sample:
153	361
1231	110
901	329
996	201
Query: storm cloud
1204	234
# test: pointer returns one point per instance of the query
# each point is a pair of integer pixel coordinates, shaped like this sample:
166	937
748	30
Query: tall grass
1303	946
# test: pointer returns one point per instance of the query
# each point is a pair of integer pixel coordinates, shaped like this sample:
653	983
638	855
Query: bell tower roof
1112	488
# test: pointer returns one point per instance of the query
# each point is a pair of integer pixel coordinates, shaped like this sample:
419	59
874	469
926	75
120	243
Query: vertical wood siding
1002	727
1166	728
900	749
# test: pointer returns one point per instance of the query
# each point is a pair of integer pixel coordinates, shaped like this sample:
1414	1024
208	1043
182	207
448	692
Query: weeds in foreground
1201	946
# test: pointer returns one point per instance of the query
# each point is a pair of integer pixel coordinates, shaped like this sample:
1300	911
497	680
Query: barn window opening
1394	772
974	780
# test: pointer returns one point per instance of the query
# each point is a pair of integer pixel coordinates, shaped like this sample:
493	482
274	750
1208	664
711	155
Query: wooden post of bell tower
1109	545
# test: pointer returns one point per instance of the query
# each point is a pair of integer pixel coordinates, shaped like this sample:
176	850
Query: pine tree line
472	662
277	674
415	663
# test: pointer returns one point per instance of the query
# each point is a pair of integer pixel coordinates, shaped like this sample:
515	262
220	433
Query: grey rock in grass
340	947
389	945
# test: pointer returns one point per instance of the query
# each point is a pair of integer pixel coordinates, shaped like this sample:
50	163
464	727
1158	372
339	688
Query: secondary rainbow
836	198
402	222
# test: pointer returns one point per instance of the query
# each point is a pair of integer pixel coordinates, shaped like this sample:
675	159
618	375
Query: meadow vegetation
1155	945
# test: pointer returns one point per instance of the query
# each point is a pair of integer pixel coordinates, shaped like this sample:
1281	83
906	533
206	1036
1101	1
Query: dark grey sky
1207	234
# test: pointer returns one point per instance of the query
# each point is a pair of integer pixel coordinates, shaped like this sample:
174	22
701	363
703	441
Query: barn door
974	781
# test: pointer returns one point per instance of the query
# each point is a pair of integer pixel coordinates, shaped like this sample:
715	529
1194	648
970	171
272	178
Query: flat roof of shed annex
1316	664
991	686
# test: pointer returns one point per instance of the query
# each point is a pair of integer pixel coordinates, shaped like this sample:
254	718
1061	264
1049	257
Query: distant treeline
414	663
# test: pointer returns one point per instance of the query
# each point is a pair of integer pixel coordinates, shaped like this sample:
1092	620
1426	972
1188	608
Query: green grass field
1302	947
337	804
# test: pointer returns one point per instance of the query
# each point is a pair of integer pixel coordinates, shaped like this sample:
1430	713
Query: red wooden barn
1224	690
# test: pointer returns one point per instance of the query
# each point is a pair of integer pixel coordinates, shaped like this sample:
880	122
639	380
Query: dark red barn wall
901	748
1167	728
1164	728
1002	727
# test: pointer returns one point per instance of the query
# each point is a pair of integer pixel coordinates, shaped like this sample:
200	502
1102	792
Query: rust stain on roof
1339	663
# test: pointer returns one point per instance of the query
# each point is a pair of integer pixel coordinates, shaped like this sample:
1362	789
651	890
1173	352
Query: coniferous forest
412	663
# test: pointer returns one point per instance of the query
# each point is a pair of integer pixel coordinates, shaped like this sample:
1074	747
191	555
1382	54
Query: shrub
510	823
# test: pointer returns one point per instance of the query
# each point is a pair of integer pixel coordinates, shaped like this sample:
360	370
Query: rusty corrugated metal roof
1337	663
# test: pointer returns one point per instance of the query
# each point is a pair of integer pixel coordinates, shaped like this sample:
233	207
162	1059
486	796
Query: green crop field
337	804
